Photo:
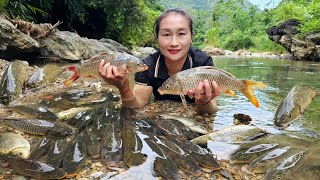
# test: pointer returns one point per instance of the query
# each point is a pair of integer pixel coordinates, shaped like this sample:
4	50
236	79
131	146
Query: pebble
96	174
206	170
19	178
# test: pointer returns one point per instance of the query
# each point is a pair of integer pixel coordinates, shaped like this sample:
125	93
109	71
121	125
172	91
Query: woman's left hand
204	92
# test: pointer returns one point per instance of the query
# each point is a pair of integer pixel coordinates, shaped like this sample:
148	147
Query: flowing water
281	76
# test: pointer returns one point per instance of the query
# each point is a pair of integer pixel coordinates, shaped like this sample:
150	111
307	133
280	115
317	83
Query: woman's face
174	37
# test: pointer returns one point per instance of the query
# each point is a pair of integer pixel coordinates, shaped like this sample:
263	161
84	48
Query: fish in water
232	134
132	145
181	82
41	148
35	110
75	158
11	84
266	161
192	124
247	155
183	160
201	155
294	104
34	169
39	127
285	169
14	144
163	164
44	75
125	63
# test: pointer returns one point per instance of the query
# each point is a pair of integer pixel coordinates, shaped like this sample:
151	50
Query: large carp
181	82
38	127
232	134
11	84
90	68
294	104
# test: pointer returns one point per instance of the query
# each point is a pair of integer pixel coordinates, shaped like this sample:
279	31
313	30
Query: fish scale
232	134
125	63
30	126
294	104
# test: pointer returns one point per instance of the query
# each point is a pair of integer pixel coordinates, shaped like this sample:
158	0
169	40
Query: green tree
125	21
25	9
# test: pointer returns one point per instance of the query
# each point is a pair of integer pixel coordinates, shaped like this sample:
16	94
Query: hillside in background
189	4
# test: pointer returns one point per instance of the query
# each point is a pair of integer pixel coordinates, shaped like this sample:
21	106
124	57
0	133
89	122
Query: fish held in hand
181	82
294	104
125	63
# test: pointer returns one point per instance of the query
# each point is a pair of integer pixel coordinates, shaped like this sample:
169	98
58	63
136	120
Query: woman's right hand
111	75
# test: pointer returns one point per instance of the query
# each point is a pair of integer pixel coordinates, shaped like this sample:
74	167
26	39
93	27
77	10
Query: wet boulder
70	46
13	40
305	48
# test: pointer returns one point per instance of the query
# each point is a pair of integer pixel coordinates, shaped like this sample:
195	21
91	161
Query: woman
174	33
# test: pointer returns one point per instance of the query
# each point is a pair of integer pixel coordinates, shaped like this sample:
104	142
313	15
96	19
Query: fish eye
243	158
167	86
278	177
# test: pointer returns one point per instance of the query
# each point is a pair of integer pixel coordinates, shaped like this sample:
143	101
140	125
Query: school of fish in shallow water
98	130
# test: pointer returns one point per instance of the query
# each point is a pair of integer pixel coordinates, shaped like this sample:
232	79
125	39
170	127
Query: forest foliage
228	24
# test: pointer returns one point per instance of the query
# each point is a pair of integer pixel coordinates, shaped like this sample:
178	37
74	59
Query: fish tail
72	78
248	91
318	93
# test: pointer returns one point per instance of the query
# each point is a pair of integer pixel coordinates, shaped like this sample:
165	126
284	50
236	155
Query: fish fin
230	92
183	99
259	85
221	70
72	78
248	91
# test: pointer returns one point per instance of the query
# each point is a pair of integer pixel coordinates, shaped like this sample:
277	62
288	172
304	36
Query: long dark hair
166	13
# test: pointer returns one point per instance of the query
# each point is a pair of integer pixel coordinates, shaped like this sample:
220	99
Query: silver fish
192	124
11	84
232	134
